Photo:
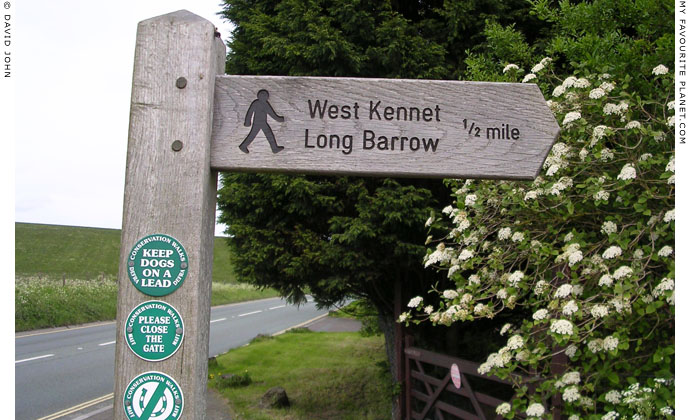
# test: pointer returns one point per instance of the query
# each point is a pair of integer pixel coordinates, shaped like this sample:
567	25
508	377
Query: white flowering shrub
586	251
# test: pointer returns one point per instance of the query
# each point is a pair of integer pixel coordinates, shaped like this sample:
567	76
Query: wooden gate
430	393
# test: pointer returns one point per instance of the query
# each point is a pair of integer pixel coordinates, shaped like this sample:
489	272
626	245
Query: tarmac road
64	367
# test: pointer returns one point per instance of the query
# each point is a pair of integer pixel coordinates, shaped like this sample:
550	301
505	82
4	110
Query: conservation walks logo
154	330
157	265
153	395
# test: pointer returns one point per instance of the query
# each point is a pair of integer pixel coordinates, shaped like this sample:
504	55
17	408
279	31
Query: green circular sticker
154	330
157	265
153	395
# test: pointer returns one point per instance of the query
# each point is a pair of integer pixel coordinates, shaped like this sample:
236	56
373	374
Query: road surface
61	368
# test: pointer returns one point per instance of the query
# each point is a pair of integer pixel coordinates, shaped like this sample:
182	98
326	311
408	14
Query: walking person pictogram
259	110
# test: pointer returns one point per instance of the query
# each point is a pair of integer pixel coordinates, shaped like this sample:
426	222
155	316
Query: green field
327	376
51	251
66	275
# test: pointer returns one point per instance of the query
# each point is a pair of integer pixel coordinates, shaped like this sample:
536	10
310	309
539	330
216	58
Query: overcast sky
72	69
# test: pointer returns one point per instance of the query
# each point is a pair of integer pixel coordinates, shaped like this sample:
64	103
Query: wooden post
171	190
399	353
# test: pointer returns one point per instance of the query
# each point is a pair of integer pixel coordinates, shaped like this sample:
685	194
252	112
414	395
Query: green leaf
613	377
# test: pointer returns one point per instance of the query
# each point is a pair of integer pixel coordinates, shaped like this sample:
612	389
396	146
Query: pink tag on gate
455	376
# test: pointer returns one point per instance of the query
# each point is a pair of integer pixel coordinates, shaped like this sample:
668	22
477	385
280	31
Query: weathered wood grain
447	112
171	192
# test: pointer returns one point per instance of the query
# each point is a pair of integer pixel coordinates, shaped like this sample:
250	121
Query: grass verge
224	293
45	303
41	303
327	376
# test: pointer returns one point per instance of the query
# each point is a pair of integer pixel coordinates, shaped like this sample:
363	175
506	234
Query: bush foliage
587	249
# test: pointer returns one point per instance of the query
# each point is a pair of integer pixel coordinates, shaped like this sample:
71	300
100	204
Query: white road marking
218	320
277	307
107	344
33	358
249	313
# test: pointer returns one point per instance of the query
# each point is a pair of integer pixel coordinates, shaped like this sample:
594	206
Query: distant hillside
85	253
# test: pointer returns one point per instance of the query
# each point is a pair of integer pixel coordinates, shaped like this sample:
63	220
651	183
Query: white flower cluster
610	343
628	172
541	65
504	233
510	67
515	342
571	394
601	195
540	314
570	308
572	253
563	291
440	255
470	199
621	304
518	237
570	351
414	302
571	117
611	415
606	154
607	86
562	326
622	272
556	159
612	252
563	183
528	77
598	133
450	294
632	124
596	345
535	410
609	227
664	285
671	165
614	397
506	328
665	251
670	215
659	70
465	255
515	277
599	311
503	409
495	360
531	195
596	93
570	378
606	280
619	109
540	287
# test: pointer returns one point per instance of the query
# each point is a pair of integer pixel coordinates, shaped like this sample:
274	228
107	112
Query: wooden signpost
381	127
186	123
